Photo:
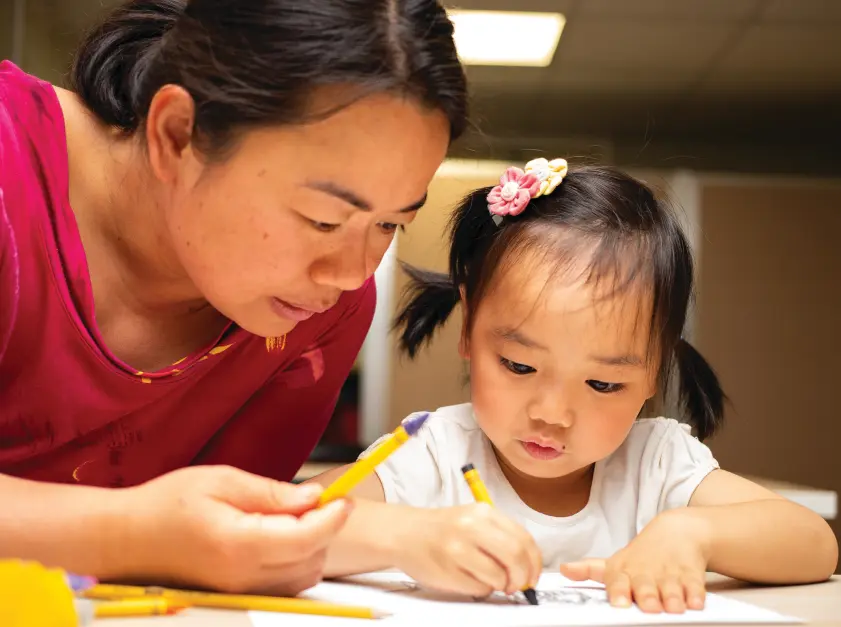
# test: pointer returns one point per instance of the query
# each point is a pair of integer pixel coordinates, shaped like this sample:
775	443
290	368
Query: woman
187	241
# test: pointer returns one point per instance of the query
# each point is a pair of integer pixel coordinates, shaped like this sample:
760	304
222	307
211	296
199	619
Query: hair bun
109	67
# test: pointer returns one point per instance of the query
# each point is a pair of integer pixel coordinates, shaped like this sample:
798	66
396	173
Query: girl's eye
518	369
324	227
602	387
390	227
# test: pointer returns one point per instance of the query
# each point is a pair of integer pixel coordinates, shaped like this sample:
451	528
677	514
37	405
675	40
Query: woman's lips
291	312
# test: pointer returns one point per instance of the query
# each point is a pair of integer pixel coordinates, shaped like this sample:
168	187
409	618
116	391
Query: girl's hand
472	549
663	568
221	528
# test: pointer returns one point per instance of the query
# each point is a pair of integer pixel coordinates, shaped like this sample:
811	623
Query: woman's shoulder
26	102
32	146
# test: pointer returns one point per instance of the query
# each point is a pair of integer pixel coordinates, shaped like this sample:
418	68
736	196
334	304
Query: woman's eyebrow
354	199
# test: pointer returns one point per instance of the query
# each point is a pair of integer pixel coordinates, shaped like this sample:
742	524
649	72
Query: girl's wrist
404	538
689	523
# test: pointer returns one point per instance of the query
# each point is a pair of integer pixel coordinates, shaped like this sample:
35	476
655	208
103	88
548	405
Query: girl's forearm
371	539
771	541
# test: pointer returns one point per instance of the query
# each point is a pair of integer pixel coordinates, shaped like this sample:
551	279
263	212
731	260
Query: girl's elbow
826	550
831	552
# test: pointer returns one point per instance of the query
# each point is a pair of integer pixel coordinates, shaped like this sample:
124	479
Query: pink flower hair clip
517	187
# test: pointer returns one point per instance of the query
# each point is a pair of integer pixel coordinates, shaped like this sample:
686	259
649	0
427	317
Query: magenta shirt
70	411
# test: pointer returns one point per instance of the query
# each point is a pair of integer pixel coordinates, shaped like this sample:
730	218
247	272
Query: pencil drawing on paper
558	596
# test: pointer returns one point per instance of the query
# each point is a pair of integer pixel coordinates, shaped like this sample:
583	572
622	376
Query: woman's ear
464	340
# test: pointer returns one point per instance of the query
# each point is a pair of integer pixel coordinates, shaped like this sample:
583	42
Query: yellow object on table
148	606
233	601
31	594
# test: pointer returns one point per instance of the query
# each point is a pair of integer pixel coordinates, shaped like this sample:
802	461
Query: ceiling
630	73
745	82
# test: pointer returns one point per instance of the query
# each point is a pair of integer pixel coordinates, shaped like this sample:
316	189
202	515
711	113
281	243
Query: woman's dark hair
249	63
631	238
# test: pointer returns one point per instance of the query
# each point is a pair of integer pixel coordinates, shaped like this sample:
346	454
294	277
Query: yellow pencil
365	466
481	494
149	606
233	601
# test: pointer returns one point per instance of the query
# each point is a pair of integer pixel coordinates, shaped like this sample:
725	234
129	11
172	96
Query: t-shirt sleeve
411	474
681	463
276	430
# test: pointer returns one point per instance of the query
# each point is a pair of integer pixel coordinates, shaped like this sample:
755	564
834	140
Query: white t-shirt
657	468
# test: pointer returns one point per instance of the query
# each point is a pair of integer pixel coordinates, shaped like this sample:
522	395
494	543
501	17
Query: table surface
818	604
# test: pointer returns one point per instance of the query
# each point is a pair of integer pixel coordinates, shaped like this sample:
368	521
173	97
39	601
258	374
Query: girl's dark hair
248	63
630	238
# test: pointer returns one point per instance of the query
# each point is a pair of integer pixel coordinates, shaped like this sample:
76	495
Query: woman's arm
76	527
210	527
753	534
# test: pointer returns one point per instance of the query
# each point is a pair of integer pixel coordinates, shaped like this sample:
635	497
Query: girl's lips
538	451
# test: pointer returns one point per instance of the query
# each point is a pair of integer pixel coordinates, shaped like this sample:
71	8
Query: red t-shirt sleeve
274	433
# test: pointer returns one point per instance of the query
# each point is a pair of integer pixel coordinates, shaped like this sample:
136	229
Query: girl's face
558	369
297	215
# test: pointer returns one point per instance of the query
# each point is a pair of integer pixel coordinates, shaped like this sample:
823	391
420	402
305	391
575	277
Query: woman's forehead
382	149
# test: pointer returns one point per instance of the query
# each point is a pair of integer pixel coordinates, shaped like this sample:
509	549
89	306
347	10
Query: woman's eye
603	387
513	366
324	227
390	227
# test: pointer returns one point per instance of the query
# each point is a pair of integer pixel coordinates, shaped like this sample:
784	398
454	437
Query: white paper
562	603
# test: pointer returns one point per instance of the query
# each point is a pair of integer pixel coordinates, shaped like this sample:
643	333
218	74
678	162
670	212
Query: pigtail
700	392
428	301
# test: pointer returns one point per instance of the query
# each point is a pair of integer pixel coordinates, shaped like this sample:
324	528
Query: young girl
574	291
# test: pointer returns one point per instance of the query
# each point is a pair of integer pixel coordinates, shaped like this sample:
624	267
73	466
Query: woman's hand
221	528
472	549
663	568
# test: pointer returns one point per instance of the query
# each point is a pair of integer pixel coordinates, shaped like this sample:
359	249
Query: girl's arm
750	533
472	549
368	540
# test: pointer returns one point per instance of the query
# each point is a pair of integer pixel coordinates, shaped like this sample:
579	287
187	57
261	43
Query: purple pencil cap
412	424
79	583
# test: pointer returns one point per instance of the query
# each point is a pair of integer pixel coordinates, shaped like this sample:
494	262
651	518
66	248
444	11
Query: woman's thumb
253	494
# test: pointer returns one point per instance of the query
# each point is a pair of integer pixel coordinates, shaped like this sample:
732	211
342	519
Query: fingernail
621	601
310	491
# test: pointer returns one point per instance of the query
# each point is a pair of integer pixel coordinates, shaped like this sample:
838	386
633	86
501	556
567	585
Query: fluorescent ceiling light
506	37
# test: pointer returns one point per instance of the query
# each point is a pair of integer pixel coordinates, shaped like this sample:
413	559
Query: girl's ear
464	340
